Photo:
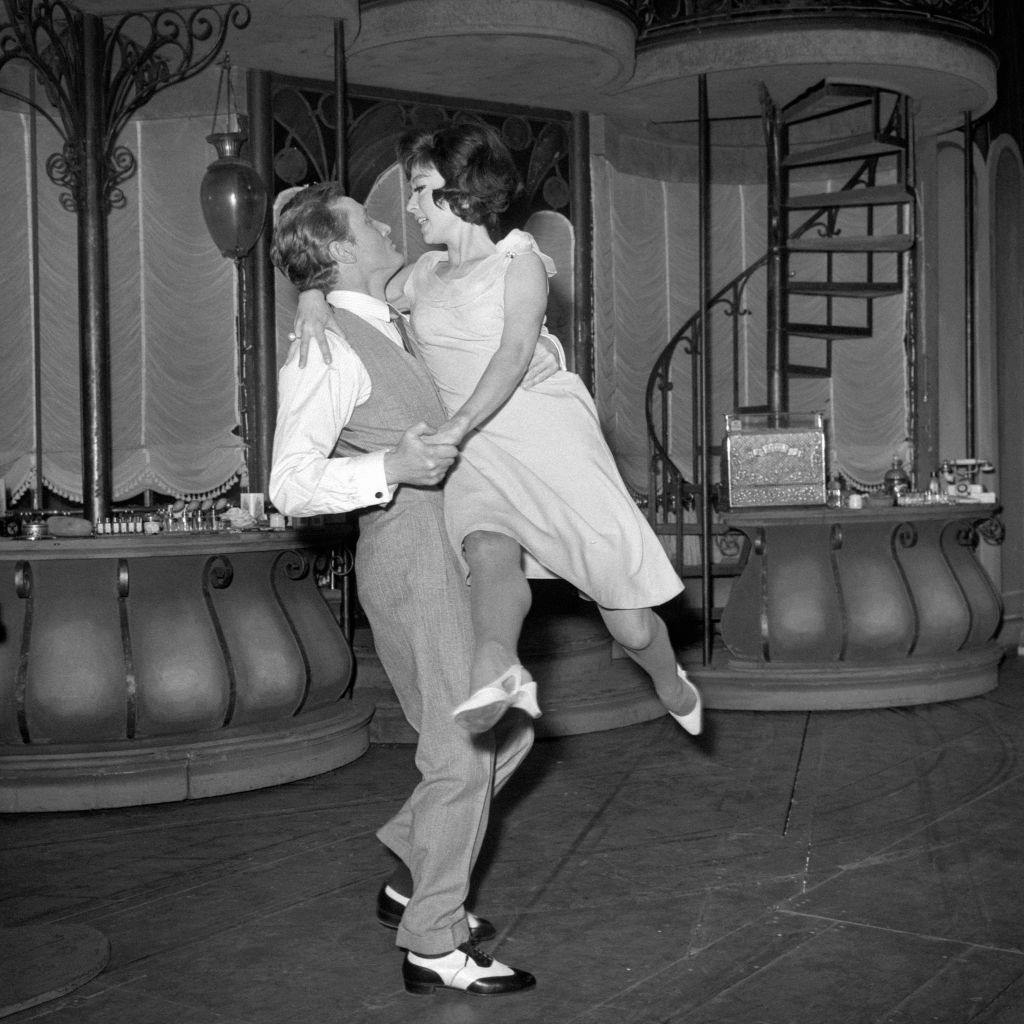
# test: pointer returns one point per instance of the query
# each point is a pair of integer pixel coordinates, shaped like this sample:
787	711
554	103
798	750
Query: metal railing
661	18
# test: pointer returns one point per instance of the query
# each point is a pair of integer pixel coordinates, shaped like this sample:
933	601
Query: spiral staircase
831	255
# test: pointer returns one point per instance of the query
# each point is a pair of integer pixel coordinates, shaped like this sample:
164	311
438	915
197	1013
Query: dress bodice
459	318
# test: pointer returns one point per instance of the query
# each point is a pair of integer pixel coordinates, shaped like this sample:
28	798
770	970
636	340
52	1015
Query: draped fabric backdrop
173	350
645	288
174	397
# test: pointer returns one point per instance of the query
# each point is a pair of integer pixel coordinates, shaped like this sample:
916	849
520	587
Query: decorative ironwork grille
305	134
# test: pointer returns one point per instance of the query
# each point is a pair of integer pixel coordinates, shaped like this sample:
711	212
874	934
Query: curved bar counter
142	669
838	608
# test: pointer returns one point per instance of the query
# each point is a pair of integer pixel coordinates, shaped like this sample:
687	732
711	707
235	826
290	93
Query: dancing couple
379	417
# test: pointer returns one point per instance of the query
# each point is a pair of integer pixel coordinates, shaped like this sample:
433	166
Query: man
373	407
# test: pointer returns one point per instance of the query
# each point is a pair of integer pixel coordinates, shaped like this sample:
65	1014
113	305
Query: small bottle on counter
897	480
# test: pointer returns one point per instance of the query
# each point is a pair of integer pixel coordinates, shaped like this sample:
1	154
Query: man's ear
341	252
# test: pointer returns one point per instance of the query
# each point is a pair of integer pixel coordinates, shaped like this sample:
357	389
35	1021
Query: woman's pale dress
539	470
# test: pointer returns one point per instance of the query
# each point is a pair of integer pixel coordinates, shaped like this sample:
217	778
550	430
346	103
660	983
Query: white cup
855	501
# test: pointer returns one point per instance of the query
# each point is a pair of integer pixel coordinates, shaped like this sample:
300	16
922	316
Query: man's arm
314	405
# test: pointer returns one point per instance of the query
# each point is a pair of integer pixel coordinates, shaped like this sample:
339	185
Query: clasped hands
422	457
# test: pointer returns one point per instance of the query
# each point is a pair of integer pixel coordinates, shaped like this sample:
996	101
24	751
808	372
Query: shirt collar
359	303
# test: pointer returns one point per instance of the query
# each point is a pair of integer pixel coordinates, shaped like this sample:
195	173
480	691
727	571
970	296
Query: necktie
402	326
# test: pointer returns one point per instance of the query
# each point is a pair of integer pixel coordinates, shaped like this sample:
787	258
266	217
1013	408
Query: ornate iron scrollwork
122	578
23	580
966	534
992	530
305	130
140	55
906	535
730	543
295	564
219	572
760	541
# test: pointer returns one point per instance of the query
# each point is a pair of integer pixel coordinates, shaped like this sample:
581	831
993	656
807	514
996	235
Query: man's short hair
306	226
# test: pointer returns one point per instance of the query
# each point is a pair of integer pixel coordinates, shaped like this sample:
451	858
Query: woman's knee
492	551
635	629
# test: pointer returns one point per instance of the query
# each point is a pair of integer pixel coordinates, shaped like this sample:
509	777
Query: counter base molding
737	685
848	609
136	671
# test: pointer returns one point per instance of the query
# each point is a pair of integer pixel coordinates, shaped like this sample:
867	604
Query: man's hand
544	363
312	322
416	462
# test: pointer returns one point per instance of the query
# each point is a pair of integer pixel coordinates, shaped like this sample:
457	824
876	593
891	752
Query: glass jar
897	480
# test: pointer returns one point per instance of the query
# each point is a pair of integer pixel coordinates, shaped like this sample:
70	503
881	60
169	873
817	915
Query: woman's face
434	221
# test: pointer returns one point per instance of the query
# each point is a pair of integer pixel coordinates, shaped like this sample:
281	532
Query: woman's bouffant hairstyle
305	228
480	177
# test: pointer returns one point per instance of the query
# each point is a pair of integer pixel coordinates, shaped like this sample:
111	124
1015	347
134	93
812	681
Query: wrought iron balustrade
664	18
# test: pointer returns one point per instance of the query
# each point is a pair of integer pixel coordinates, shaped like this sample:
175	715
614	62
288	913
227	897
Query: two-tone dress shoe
391	904
466	969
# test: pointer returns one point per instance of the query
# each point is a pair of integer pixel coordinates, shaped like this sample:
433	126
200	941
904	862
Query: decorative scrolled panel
943	617
958	542
267	666
325	652
71	684
881	619
131	693
182	679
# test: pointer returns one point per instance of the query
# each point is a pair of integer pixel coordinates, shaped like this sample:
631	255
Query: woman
535	491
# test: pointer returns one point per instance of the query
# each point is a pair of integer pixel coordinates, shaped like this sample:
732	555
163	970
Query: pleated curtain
173	359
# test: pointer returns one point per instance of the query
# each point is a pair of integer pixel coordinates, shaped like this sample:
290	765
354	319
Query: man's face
371	242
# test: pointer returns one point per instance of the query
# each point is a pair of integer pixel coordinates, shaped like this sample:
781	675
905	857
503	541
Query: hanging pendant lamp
232	194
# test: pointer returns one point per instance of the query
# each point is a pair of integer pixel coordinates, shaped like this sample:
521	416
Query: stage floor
788	868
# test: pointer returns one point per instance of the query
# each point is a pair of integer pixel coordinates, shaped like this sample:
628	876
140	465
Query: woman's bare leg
499	597
643	636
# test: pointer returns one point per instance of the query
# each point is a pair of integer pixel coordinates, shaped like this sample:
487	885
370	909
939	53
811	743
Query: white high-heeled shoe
514	688
692	721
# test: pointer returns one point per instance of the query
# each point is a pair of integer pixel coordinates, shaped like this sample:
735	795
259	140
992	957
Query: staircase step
853	147
826	99
882	195
851	243
845	289
797	370
829	331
